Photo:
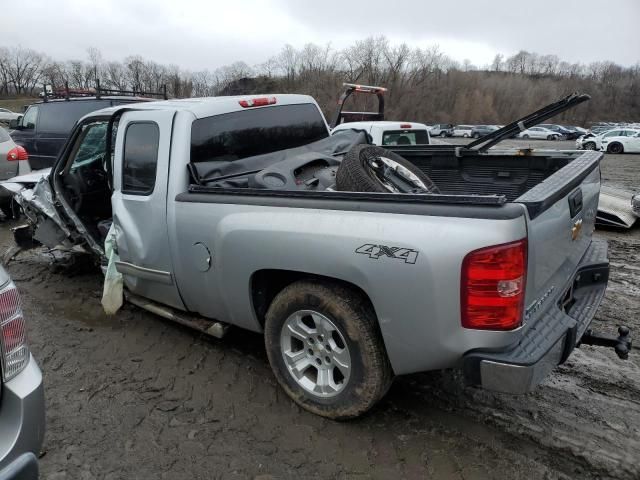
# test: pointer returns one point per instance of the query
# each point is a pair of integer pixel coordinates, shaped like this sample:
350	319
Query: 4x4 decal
377	251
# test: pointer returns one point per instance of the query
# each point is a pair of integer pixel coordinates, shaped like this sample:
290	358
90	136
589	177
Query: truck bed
494	178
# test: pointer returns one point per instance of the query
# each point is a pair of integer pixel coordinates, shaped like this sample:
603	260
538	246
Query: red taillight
257	102
14	353
492	287
405	125
17	153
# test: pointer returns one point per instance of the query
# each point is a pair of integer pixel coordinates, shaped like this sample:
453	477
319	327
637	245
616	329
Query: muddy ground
134	396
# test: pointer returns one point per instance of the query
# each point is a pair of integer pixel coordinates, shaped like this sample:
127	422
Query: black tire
354	175
525	136
443	134
552	137
370	373
476	135
616	148
589	146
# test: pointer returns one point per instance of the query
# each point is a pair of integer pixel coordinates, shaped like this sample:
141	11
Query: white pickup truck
390	134
357	263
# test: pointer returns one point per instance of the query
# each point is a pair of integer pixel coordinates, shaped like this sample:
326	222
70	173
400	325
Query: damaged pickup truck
357	263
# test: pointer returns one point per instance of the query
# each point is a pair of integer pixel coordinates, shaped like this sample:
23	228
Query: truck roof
382	124
208	106
92	99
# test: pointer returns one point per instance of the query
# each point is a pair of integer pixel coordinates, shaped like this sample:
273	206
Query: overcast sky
199	34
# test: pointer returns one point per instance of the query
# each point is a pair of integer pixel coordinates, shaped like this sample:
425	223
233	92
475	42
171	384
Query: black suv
44	127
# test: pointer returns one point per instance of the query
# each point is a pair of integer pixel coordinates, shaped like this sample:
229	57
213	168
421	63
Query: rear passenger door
140	175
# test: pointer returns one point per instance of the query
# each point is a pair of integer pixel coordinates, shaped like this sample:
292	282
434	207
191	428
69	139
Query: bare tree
24	69
424	83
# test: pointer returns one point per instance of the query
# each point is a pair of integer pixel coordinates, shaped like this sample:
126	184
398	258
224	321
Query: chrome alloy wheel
385	169
315	353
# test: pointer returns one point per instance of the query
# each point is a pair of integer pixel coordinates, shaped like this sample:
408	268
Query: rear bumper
551	340
22	418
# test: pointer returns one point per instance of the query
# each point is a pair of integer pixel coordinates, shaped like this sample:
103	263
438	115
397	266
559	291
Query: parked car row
599	128
464	131
540	132
617	140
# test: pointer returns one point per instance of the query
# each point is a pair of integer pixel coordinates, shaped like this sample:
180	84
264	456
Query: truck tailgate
562	211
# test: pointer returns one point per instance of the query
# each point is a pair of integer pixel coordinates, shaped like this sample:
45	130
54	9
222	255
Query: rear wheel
325	349
476	135
525	136
615	148
443	134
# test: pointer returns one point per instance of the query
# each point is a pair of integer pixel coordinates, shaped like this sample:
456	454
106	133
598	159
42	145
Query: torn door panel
33	193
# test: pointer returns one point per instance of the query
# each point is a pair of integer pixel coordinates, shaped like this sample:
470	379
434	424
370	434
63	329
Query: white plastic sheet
112	296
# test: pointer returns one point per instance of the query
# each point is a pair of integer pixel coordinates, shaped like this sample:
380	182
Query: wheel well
614	143
266	284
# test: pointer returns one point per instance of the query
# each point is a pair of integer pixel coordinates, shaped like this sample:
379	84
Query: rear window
405	137
247	133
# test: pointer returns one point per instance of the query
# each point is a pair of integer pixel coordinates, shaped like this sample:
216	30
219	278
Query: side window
613	133
140	158
30	118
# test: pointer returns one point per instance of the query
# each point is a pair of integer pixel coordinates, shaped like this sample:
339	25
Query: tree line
424	83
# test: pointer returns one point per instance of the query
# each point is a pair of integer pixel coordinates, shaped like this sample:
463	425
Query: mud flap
112	293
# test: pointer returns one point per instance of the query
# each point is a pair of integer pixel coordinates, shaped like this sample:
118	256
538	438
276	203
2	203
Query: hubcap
383	167
315	353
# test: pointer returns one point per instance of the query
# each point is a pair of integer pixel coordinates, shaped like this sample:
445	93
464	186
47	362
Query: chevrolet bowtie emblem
575	230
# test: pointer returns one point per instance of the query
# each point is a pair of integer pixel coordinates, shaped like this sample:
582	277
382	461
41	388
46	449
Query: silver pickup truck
229	211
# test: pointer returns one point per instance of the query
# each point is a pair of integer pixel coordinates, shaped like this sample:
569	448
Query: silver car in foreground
22	420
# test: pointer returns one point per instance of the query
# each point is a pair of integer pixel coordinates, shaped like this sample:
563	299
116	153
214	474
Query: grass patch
17	104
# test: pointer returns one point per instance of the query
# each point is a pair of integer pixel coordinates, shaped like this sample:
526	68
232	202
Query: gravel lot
134	396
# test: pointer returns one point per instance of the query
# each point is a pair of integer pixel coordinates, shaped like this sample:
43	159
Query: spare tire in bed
360	171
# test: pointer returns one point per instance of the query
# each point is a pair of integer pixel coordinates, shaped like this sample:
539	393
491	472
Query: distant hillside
424	84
